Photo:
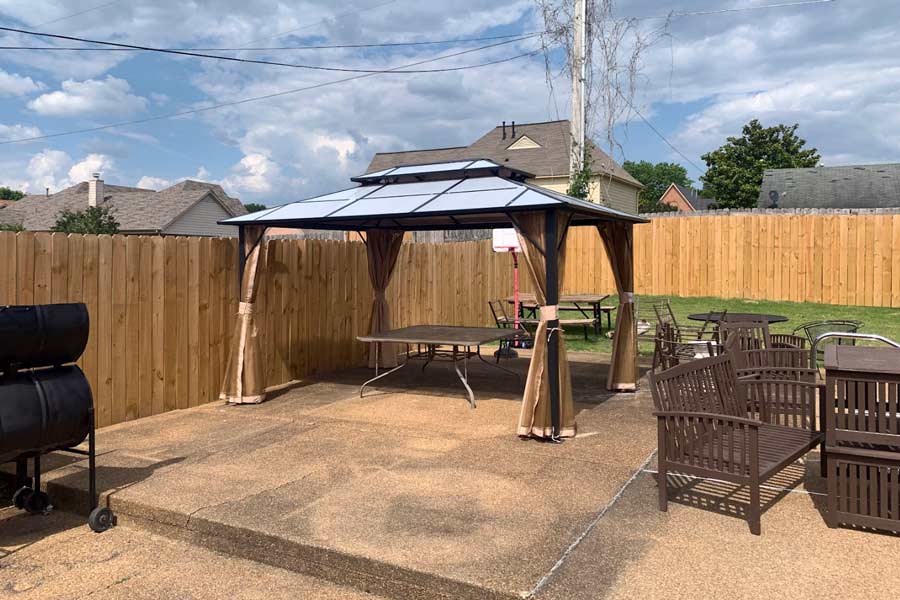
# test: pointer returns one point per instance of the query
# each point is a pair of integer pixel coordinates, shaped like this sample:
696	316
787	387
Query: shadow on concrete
730	499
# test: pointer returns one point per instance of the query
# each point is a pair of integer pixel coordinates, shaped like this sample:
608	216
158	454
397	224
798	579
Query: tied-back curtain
618	241
383	248
535	419
245	374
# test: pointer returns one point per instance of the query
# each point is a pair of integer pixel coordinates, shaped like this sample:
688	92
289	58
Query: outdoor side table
862	436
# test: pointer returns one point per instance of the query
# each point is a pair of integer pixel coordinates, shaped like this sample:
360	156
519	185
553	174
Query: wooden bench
742	426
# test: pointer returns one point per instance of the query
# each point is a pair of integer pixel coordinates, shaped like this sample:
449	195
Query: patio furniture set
737	403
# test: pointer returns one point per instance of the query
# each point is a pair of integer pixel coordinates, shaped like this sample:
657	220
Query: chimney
48	192
514	129
504	130
95	190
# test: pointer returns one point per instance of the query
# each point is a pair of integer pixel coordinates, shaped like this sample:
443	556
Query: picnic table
440	342
589	305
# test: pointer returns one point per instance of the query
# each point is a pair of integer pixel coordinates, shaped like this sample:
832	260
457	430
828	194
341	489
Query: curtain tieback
380	295
626	298
550	313
246	308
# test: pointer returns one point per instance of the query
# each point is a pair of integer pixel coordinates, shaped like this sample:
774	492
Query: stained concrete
57	557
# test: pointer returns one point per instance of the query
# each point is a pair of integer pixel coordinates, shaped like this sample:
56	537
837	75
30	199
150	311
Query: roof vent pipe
504	130
514	129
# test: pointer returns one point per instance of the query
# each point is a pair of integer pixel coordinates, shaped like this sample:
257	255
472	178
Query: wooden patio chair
742	426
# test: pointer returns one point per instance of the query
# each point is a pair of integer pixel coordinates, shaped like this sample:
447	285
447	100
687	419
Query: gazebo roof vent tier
453	195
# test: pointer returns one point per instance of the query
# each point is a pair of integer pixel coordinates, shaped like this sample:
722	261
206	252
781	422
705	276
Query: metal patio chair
814	329
671	348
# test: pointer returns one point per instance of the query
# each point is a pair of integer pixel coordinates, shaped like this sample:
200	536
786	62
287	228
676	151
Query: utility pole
578	92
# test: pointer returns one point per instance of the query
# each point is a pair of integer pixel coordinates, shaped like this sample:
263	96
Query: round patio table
715	317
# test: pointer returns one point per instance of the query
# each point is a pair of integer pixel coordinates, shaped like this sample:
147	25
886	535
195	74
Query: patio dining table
440	342
715	317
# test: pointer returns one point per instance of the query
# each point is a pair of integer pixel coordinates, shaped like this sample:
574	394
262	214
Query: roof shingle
854	186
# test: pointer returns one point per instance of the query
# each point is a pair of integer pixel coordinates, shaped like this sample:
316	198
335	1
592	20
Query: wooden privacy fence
826	258
162	308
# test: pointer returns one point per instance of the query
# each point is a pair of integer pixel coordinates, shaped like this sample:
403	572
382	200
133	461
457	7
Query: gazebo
470	194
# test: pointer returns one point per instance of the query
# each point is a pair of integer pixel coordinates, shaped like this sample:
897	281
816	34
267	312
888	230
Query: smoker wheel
101	519
20	498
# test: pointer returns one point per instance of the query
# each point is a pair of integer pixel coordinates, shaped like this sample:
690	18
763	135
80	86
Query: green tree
736	168
10	194
656	179
11	227
254	207
94	219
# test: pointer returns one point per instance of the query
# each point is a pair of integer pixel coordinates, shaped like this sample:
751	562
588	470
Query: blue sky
831	67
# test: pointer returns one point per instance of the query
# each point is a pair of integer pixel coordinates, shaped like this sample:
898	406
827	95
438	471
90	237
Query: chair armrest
682	414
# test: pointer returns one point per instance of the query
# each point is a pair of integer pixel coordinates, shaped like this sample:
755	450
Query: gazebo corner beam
551	250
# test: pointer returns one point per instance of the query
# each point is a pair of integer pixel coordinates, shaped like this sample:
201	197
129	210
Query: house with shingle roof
853	186
542	149
685	199
186	208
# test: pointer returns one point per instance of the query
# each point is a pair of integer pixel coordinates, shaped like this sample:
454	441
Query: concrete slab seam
546	578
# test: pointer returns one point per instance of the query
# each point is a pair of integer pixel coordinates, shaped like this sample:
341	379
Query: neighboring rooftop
538	148
137	210
693	197
852	186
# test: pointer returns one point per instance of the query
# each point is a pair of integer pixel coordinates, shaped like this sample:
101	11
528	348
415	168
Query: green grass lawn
884	321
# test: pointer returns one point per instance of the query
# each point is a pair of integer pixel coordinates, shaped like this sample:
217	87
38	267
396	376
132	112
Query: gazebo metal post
552	267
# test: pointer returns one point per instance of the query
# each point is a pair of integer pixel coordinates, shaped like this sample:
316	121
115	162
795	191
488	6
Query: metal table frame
431	352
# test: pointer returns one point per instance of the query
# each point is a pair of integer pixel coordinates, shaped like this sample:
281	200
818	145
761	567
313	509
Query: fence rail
161	308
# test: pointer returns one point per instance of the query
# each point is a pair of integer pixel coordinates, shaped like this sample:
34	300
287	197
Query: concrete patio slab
407	492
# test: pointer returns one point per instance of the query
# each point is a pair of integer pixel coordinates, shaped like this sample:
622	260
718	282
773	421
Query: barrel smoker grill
46	403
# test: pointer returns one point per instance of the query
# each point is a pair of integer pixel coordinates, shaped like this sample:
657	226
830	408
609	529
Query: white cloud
153	183
16	132
255	173
57	170
110	96
13	84
157	183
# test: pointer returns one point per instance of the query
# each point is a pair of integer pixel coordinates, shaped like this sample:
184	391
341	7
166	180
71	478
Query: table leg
463	376
497	366
386	373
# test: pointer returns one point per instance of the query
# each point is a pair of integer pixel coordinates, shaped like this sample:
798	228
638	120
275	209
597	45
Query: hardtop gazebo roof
470	194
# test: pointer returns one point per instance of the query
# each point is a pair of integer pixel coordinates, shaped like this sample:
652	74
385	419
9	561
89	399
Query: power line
248	60
76	14
265	97
658	132
314	47
719	11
